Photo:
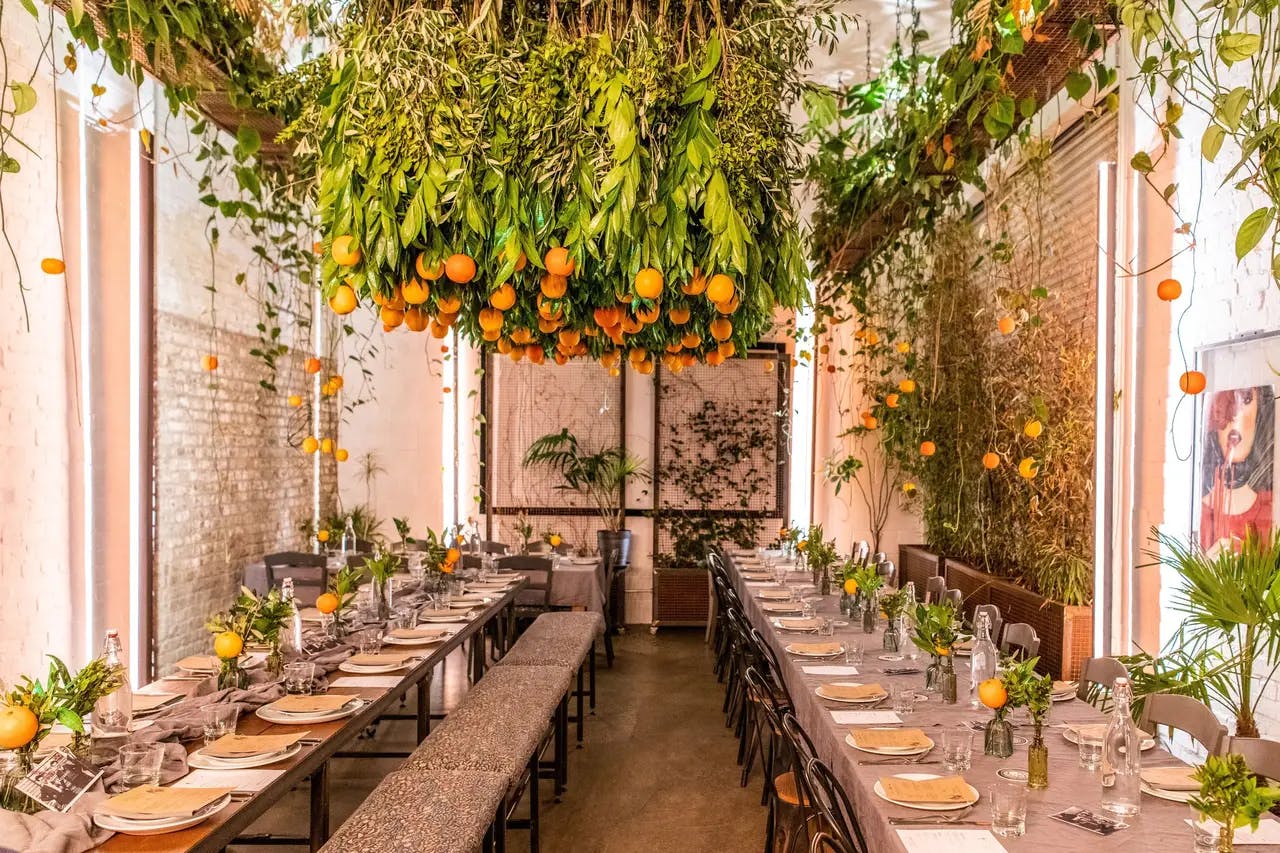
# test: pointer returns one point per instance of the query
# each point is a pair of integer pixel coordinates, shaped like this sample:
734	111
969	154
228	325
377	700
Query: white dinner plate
1069	735
774	595
463	600
777	623
284	718
868	701
125	826
420	641
781	608
1063	697
440	616
379	669
208	762
927	807
890	750
1161	793
790	649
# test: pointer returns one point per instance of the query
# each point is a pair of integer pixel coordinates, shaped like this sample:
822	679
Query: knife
906	821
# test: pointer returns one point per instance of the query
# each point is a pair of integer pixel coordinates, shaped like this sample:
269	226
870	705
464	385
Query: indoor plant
598	476
892	605
1028	689
821	556
338	597
1230	796
381	568
936	631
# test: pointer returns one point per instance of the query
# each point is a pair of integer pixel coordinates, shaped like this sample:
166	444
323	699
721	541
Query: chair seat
423	811
785	787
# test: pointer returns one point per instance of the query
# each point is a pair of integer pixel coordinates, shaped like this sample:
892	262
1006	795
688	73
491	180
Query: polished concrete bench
426	811
566	639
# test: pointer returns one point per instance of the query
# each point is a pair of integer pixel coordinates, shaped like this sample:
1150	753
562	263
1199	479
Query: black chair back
538	571
831	802
309	570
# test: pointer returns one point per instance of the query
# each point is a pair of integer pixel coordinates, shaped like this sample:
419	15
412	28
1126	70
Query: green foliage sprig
866	578
1027	688
64	697
937	628
344	584
1230	794
894	605
381	567
820	552
597	475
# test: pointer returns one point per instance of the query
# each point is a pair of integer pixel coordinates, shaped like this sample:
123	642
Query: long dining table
1160	824
324	742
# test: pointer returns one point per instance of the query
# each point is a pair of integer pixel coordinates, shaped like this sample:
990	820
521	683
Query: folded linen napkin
1171	778
854	691
815	648
944	789
54	832
147	802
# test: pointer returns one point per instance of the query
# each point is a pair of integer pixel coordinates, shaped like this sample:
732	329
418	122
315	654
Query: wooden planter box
681	597
916	564
1065	631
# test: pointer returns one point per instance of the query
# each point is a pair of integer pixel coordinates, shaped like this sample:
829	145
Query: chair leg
533	804
579	693
608	648
591	671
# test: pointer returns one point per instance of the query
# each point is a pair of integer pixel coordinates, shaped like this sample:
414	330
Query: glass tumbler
1009	809
300	678
957	748
219	720
140	764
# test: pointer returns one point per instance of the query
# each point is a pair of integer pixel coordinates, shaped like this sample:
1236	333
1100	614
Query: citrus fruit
327	602
209	362
720	288
691	340
727	307
714	358
326	445
649	316
1032	429
228	645
678	316
851	587
1006	325
414	292
416	319
295	400
992	693
1191	382
504	298
942	651
345	252
570	337
870	421
322	536
903	347
696	285
490	319
313	365
535	353
17	726
554	286
341	455
721	329
990	460
52	266
909	488
343	300
928	448
1168	290
1028	468
391	317
907	386
558	262
426	270
310	445
648	283
460	268
727	349
448	304
891	400
452	556
522	261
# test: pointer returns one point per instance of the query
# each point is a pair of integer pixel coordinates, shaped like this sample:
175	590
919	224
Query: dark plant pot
609	540
916	563
1065	631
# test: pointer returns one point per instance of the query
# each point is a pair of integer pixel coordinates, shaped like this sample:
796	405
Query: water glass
1009	809
806	609
903	698
219	719
1090	745
853	653
1206	834
300	677
140	764
369	641
957	748
826	628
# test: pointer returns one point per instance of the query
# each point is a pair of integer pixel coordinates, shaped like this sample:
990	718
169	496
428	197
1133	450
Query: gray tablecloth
1160	825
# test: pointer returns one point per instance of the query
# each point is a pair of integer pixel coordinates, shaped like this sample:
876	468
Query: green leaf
24	98
1251	230
1237	47
1142	162
1078	85
71	720
1211	142
249	140
77	11
1232	107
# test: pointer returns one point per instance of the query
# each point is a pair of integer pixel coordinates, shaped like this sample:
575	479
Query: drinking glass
369	641
1009	809
806	609
219	720
903	697
1206	834
300	677
853	653
140	764
957	748
1090	744
826	628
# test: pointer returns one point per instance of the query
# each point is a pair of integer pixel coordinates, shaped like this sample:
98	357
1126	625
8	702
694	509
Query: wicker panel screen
522	402
721	447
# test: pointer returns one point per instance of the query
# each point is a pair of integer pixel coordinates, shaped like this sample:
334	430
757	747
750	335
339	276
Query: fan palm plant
597	476
1230	639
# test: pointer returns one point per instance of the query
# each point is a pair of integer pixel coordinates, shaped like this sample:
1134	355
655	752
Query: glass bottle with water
1121	756
982	658
348	540
113	712
292	639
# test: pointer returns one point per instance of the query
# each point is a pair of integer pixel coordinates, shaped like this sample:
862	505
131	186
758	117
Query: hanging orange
428	271
345	252
570	338
721	329
1006	325
536	354
891	400
990	461
728	349
491	335
609	358
637	355
522	261
517	353
714	358
504	298
448	304
645	367
490	319
310	445
416	319
649	316
648	283
343	300
438	329
209	362
1028	468
691	340
561	358
928	448
446	318
554	286
720	288
1032	429
606	317
630	324
1191	382
460	268
696	285
53	266
558	262
414	292
504	345
728	307
313	365
1169	289
396	300
391	317
547	326
678	316
521	336
907	386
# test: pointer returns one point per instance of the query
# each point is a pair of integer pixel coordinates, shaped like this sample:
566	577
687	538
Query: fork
954	817
921	760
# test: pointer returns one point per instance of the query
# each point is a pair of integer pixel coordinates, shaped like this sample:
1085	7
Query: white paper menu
865	718
930	840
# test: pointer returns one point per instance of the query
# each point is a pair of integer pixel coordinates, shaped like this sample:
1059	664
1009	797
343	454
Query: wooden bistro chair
309	570
1020	639
934	588
1097	676
834	811
1262	755
1184	714
539	575
888	572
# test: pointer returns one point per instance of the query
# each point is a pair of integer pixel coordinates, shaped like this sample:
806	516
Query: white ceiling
876	19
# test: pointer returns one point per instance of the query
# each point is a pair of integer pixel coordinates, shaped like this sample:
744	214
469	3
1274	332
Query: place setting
852	692
815	650
305	709
241	752
154	810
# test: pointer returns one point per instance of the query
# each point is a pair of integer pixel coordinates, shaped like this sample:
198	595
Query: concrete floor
657	773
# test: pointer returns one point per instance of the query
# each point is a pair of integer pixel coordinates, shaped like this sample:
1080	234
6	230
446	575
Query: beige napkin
774	595
199	663
379	659
800	624
311	704
964	645
433	614
1092	730
1171	778
1064	687
890	739
152	801
815	648
850	691
418	633
946	789
143	702
245	746
781	607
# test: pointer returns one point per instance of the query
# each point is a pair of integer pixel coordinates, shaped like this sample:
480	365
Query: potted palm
598	476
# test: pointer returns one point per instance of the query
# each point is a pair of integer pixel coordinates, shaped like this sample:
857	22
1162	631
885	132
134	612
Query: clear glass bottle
291	641
1121	755
113	713
947	679
348	539
982	658
910	589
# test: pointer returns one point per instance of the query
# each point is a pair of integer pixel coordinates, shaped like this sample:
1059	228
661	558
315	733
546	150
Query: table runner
1160	825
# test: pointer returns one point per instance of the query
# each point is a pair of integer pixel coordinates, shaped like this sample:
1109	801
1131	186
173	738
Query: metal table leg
319	807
